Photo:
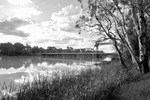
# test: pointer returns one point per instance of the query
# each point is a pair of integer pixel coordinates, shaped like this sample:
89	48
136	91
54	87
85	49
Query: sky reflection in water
23	69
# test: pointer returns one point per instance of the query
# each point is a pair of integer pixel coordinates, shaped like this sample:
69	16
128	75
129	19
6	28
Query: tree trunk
142	39
136	60
120	56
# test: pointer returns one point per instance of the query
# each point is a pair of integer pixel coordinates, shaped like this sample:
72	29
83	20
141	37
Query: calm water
22	69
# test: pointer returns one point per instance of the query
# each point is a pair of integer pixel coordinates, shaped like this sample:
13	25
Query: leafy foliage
121	21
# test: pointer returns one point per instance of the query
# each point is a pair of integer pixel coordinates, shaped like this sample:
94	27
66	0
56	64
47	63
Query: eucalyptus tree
118	20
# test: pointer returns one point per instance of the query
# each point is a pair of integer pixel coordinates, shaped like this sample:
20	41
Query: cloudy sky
42	23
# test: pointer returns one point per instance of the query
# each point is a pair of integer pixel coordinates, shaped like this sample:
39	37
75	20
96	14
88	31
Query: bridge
77	55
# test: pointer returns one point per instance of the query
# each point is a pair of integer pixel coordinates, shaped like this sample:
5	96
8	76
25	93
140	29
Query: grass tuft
91	84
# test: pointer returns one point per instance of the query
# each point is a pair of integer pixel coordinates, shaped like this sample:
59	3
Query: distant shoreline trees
18	49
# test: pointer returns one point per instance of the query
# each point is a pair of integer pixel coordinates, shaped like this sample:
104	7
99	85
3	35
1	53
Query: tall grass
91	84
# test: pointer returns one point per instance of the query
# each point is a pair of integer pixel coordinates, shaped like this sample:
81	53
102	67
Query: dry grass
92	84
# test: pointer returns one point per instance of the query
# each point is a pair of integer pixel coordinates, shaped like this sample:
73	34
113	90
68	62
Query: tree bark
142	39
120	56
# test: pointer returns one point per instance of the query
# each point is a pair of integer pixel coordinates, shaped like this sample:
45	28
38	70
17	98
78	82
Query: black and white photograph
74	49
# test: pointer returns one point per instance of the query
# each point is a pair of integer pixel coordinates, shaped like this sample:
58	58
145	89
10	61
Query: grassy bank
92	84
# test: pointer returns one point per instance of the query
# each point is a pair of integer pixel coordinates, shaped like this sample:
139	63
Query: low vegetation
92	84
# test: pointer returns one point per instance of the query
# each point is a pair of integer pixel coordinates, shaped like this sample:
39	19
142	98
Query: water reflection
21	69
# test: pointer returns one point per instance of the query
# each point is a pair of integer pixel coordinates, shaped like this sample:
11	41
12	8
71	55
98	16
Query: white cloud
66	18
1	6
24	8
67	11
20	2
59	5
25	12
10	38
41	34
10	25
59	32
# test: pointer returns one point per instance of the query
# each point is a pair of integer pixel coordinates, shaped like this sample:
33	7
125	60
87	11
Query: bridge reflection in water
78	55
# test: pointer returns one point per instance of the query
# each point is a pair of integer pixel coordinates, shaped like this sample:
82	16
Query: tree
69	49
51	49
19	48
7	48
35	50
112	20
28	48
42	50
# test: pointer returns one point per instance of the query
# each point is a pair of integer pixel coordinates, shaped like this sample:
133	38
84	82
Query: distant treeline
20	49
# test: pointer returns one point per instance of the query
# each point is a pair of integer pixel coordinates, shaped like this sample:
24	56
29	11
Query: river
21	69
17	70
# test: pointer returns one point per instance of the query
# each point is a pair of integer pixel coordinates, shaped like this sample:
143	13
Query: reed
90	84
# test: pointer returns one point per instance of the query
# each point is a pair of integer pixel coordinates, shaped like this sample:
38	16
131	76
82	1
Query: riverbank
110	82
